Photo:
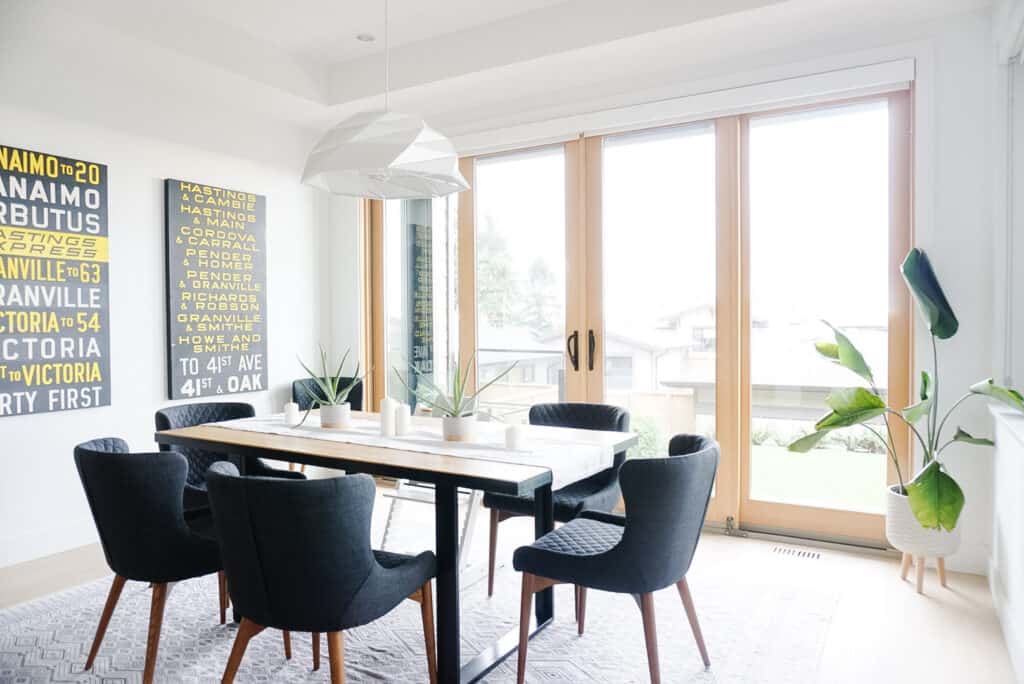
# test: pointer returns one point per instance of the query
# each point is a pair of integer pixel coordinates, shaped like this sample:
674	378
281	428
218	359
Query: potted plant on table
922	514
456	406
331	394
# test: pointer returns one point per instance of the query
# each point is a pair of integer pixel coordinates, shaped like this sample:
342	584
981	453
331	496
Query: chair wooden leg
247	629
941	563
336	655
524	625
427	611
287	636
581	609
905	565
222	595
691	615
316	651
920	574
156	620
650	636
108	610
492	550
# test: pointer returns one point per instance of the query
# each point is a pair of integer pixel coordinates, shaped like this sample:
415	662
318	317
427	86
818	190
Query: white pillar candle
514	437
387	417
291	413
403	419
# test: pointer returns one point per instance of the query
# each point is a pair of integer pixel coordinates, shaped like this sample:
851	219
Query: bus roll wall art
54	283
216	290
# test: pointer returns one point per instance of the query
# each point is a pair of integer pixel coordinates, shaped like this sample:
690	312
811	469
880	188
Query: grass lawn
828	478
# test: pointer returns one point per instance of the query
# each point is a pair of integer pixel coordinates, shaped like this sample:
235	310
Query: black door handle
572	345
591	346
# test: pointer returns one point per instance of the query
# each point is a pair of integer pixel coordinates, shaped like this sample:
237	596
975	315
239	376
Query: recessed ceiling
324	31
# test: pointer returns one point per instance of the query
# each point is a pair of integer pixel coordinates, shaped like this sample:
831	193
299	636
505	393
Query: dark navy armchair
136	502
196	501
649	549
599	492
298	557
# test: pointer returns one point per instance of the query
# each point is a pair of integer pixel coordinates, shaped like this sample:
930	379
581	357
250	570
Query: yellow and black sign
216	290
54	283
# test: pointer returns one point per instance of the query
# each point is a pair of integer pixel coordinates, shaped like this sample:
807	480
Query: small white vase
335	415
906	534
458	428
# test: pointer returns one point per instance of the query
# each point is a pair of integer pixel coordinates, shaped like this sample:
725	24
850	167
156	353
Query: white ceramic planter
906	534
458	429
336	416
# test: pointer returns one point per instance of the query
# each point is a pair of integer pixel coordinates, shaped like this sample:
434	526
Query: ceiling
467	65
324	30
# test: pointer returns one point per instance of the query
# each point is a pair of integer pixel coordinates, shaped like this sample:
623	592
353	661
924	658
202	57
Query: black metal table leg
544	612
543	522
446	531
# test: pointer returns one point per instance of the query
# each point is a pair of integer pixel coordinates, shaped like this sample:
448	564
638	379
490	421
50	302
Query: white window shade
784	92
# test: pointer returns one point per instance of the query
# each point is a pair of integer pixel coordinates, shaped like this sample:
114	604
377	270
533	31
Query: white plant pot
458	428
906	534
336	416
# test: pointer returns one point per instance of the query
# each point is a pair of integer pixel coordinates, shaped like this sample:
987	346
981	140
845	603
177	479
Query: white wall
42	509
80	90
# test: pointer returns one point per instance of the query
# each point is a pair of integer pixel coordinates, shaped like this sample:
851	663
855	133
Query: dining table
544	459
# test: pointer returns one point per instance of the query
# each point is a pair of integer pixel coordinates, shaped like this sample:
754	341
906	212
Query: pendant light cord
387	58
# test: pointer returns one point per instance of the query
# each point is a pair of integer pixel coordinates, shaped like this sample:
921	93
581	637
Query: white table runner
567	460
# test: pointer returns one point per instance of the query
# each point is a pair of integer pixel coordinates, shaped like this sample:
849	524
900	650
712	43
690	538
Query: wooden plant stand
909	559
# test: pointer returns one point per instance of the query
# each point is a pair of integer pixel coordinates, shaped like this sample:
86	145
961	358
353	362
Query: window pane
819	237
418	290
520	279
659	238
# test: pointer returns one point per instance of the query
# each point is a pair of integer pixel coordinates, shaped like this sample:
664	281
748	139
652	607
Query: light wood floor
881	631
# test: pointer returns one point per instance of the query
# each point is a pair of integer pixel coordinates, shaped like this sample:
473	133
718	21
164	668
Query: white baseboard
30	544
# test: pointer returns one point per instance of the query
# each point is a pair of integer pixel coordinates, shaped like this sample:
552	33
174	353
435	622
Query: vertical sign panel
420	304
54	291
216	290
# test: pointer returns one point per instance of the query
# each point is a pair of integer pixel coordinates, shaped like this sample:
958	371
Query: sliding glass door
685	273
520	274
818	236
658	237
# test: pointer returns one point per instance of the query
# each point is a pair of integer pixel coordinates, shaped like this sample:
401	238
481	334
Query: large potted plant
330	393
456	406
922	514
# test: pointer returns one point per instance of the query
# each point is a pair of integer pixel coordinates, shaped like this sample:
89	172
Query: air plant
331	391
455	402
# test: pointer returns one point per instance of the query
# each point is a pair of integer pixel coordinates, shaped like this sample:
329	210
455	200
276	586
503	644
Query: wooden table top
466	472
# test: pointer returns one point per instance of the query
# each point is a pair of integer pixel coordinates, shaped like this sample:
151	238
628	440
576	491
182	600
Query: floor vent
797	553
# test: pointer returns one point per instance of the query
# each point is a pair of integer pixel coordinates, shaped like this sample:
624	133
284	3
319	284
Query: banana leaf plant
934	496
454	402
329	389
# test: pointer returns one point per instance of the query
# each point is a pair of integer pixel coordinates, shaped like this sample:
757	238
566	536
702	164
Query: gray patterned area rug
755	633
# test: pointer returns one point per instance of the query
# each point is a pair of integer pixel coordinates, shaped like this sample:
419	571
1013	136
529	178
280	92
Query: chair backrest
136	503
584	416
666	501
302	388
295	551
187	415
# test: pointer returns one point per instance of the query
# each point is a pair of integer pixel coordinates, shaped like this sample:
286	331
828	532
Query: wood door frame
849	526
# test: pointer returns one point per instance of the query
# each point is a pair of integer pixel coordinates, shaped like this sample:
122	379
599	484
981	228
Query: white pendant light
384	155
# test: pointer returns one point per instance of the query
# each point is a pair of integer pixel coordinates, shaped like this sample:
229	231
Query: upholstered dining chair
136	502
304	389
599	492
647	550
297	556
196	501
